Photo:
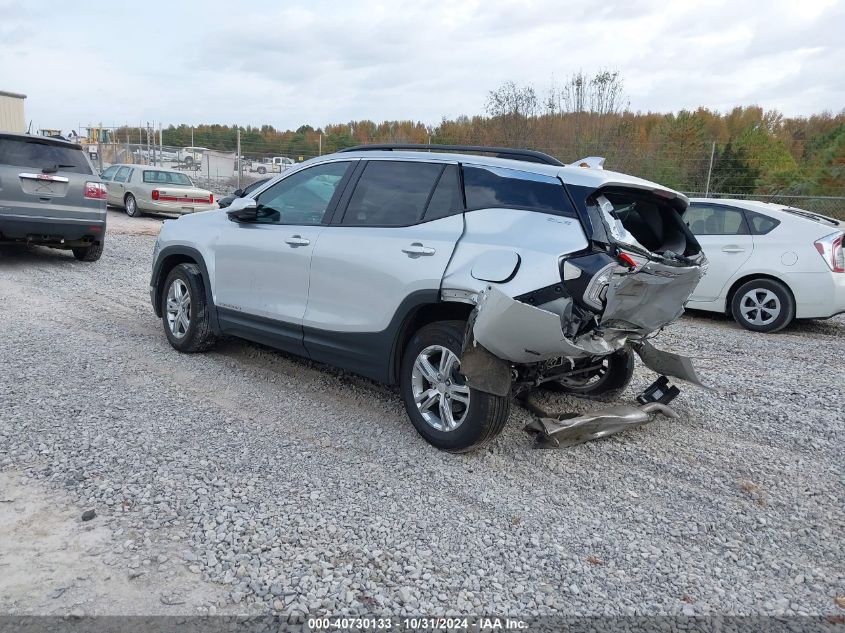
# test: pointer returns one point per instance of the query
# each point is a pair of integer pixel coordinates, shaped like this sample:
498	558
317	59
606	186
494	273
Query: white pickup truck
276	164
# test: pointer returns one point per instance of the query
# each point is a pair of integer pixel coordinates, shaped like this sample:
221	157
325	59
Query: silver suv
462	277
51	195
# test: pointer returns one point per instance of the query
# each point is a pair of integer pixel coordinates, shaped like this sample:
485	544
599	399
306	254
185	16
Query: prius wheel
763	305
448	413
131	205
184	310
604	378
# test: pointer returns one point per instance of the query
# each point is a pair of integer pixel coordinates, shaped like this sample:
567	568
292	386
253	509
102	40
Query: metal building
11	112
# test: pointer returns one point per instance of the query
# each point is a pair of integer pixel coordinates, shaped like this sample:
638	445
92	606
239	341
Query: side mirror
238	193
243	210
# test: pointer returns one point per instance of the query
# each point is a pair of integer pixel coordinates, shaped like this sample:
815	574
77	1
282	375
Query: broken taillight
597	288
830	248
96	191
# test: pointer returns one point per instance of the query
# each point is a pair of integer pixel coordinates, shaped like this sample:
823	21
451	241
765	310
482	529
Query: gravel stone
305	490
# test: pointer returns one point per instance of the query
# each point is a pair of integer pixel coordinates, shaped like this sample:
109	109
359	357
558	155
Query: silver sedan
141	188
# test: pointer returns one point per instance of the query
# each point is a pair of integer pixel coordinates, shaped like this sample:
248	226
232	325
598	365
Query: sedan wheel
763	305
760	307
131	205
178	308
440	393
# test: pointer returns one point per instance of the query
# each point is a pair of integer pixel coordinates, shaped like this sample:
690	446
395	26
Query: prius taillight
830	248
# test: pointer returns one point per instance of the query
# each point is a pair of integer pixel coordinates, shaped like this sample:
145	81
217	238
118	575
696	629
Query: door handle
732	249
418	250
297	240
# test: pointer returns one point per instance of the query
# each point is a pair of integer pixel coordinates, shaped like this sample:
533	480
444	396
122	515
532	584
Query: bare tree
515	107
591	103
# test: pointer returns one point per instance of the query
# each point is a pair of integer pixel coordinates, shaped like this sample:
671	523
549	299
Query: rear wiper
54	168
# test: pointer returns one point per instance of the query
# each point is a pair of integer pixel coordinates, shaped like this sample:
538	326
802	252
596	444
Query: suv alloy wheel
445	411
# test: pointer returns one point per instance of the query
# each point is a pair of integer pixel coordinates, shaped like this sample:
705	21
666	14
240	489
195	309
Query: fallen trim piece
564	430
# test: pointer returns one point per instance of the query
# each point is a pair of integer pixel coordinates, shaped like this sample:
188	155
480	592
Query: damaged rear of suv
466	278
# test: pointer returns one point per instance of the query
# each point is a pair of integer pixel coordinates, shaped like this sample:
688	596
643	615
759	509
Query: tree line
753	151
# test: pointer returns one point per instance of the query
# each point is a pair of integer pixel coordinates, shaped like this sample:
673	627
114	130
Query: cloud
319	62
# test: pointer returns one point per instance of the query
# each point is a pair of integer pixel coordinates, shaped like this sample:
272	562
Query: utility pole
710	170
238	157
160	143
320	145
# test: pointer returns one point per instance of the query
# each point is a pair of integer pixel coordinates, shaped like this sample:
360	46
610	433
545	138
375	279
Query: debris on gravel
88	515
304	490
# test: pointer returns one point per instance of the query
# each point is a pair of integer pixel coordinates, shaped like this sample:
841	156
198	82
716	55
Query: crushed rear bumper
637	303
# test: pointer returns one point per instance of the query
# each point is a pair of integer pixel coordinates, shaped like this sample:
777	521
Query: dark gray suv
51	195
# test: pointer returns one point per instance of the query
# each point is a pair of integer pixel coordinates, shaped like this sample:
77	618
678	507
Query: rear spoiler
590	162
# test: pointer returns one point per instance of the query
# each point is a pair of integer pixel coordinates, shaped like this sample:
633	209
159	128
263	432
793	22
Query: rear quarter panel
539	239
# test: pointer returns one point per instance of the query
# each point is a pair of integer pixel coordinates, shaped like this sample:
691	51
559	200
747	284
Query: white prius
769	264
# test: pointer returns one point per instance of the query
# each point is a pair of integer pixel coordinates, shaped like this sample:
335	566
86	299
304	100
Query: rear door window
392	193
488	187
447	198
39	155
760	224
715	220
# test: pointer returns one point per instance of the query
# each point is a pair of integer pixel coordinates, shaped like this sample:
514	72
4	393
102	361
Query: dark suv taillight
96	191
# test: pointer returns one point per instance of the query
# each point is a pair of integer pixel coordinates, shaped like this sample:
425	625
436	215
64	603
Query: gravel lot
280	485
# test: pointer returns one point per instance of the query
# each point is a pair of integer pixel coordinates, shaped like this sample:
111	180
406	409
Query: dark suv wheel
184	310
449	414
90	253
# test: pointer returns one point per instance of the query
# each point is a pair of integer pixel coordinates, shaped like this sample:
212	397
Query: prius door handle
418	250
732	249
297	240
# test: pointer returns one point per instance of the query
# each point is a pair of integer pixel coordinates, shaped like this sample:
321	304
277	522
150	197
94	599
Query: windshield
167	178
43	156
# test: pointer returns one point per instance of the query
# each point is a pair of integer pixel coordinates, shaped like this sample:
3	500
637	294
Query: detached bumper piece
569	429
659	391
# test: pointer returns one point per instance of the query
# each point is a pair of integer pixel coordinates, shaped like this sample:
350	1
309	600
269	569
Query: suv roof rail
527	155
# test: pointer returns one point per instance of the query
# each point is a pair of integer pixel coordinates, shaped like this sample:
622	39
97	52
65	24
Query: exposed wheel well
420	317
168	263
730	296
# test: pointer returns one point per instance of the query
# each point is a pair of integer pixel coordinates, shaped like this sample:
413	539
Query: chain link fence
219	171
222	171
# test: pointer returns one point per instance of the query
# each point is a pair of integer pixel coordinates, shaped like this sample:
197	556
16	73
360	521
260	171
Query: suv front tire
449	414
184	310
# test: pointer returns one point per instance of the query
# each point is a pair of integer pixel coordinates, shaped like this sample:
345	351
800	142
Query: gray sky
294	62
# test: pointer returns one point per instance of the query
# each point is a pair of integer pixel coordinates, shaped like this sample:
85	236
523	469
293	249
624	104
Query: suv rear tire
458	418
89	253
185	318
763	305
606	385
